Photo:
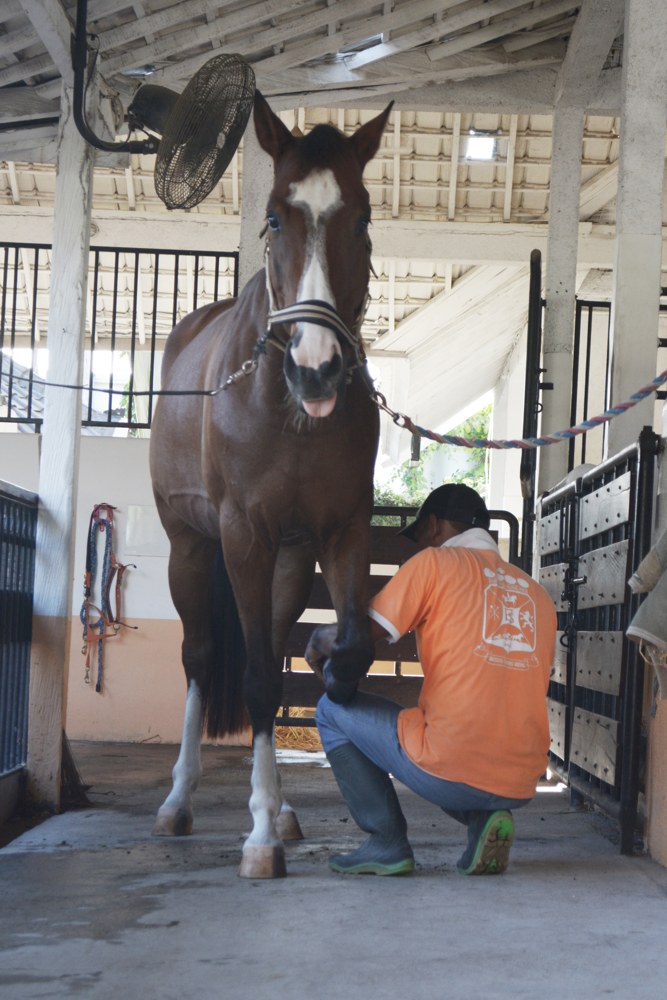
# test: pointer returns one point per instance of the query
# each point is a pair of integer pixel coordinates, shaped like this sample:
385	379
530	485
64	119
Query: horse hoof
173	823
263	862
287	825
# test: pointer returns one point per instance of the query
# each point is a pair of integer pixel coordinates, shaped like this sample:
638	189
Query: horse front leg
292	584
346	566
251	571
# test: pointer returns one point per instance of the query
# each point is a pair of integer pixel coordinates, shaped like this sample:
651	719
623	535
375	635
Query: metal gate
18	526
593	533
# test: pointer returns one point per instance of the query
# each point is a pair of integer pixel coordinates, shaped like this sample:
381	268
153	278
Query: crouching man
476	743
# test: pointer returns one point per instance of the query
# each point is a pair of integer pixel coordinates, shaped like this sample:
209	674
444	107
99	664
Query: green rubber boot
490	837
373	803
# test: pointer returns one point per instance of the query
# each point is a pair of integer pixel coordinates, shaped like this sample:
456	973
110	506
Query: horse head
318	251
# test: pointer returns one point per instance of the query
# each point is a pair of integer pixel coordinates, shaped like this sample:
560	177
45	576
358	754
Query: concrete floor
92	907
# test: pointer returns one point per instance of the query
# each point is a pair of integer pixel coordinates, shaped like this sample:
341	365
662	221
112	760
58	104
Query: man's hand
318	652
319	647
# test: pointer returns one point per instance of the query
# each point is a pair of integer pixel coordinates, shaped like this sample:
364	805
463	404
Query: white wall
114	471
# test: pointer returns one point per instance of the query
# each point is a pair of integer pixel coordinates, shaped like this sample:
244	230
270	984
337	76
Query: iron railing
135	298
593	533
18	526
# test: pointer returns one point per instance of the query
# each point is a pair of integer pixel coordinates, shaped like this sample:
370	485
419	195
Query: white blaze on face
318	195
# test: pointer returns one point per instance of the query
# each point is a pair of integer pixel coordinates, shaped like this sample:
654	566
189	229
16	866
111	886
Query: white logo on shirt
509	620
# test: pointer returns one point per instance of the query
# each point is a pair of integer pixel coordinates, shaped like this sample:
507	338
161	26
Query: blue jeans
369	722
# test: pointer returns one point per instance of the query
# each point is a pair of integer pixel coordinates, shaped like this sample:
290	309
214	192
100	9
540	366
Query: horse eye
363	225
273	221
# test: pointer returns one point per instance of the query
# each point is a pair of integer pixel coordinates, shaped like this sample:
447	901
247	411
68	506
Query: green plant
409	485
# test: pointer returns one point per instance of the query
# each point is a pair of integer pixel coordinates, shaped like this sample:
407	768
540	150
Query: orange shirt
485	634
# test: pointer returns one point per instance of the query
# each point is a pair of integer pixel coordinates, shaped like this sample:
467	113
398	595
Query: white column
635	313
560	286
59	461
257	184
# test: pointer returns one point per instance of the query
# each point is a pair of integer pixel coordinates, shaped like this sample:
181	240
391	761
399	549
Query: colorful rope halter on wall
100	623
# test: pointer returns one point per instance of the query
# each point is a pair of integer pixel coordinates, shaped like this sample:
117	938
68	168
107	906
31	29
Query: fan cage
204	131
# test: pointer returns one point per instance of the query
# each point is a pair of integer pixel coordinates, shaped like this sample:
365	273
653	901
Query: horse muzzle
316	390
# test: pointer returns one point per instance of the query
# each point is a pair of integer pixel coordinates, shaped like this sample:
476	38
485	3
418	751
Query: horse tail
224	711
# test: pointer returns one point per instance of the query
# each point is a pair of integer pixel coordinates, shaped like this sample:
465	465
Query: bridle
306	311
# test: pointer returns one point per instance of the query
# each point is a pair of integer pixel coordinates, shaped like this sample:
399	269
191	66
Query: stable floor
93	907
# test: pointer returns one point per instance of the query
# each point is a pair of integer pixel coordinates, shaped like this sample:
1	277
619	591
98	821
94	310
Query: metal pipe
79	64
531	408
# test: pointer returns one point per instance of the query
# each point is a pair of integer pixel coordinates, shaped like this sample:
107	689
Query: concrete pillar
560	287
635	312
59	461
257	184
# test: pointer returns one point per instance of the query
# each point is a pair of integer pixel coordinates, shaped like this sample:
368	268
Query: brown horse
278	466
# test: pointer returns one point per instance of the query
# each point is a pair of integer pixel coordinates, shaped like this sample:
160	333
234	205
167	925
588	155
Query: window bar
174	308
133	342
156	277
587	376
195	282
12	328
235	257
216	279
33	327
114	318
93	332
3	310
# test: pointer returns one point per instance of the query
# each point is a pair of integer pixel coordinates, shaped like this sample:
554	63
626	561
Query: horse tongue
319	408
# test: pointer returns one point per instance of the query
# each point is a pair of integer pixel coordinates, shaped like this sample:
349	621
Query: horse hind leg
190	570
175	816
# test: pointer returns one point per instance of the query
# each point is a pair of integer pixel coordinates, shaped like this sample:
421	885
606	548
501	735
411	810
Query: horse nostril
332	370
314	383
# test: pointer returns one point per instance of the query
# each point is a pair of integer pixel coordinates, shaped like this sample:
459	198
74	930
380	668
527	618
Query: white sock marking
187	769
265	800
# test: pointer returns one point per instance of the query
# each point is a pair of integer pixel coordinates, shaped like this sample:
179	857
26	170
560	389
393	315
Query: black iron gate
18	527
593	533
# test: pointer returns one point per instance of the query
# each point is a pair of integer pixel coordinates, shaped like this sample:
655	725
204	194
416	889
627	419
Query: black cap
452	502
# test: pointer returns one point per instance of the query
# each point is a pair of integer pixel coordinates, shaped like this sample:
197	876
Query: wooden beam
396	173
598	191
454	168
471	242
497	29
597	25
437	29
23	104
52	24
232	23
509	168
359	89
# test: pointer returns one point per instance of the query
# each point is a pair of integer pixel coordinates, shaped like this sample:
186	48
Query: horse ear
366	140
273	136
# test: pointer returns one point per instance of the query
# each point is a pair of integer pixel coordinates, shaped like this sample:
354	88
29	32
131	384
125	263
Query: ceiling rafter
438	29
499	27
598	24
54	28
